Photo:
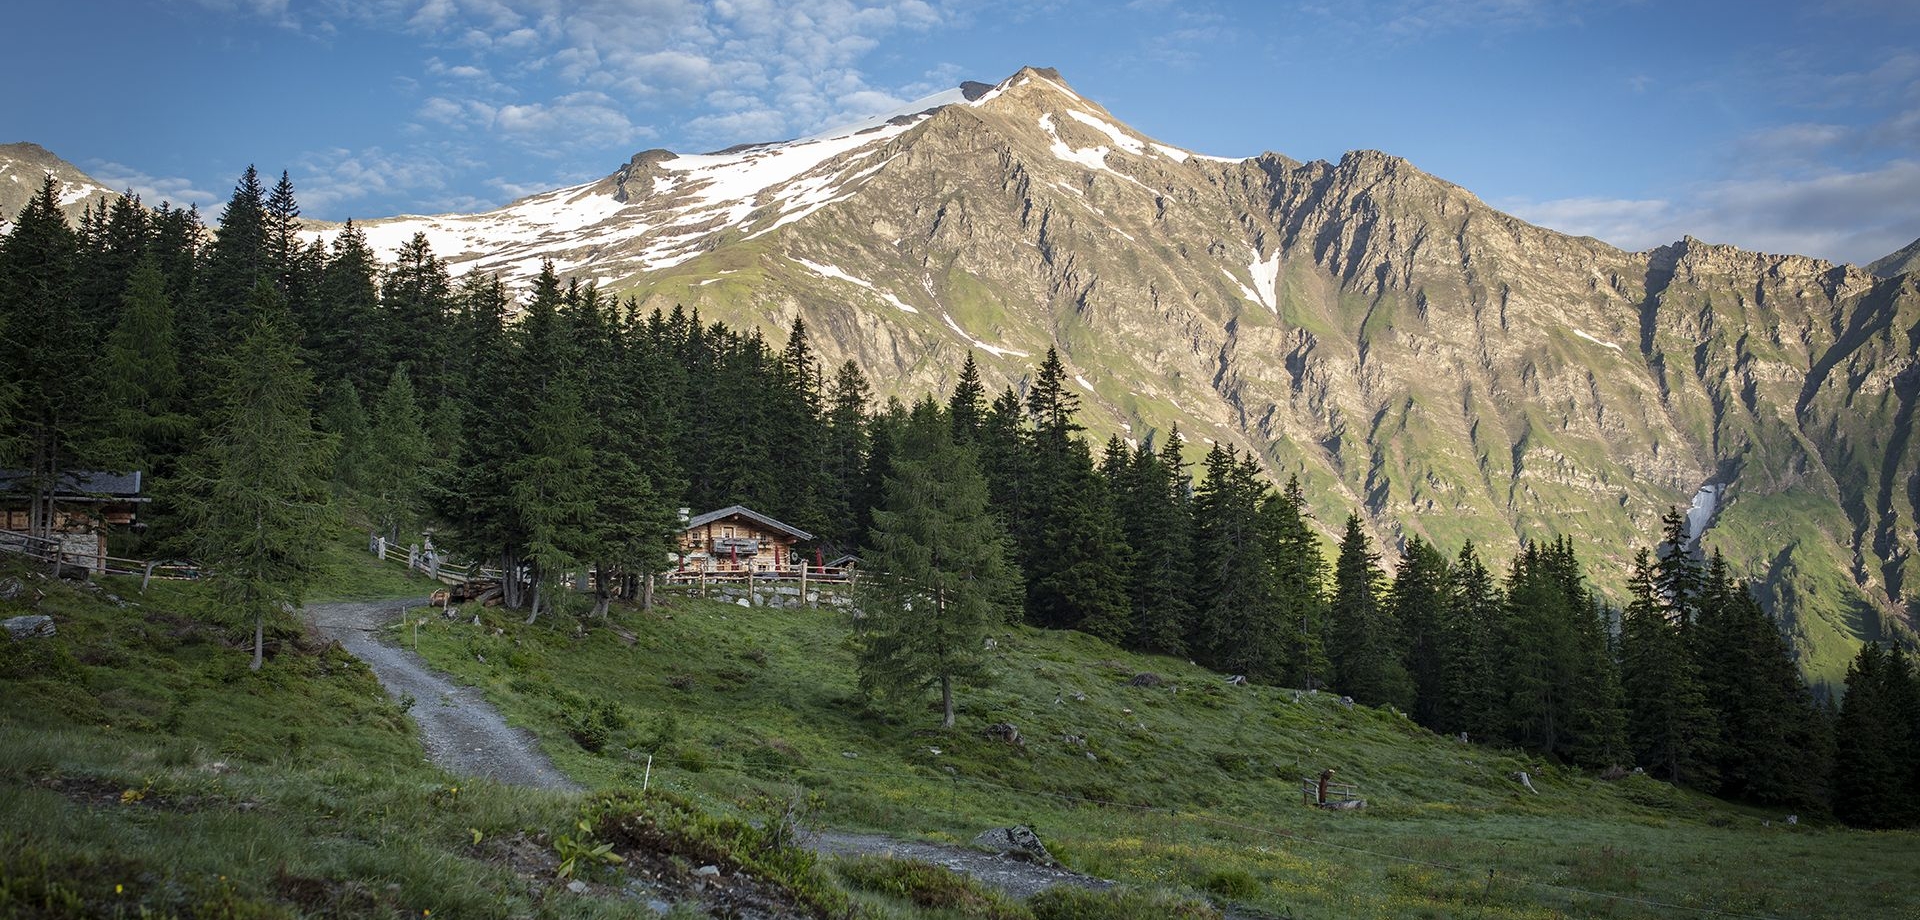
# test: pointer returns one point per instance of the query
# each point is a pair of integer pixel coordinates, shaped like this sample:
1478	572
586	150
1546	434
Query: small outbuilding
738	539
81	506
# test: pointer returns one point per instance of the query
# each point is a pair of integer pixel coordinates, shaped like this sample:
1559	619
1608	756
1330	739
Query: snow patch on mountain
1603	344
834	272
994	350
1091	157
1121	140
1266	278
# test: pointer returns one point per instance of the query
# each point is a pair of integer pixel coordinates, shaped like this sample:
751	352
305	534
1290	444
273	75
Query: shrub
591	723
927	885
1069	903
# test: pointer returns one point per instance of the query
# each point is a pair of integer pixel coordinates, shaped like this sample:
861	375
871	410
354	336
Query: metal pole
648	778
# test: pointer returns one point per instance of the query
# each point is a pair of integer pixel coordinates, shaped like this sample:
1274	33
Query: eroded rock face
1453	371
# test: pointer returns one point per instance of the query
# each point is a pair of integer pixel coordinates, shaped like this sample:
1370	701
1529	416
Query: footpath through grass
146	772
1197	781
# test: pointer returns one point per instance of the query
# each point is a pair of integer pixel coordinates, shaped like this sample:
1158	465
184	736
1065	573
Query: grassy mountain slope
737	705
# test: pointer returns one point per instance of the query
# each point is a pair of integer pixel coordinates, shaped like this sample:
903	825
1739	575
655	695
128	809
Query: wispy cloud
153	190
1844	216
532	72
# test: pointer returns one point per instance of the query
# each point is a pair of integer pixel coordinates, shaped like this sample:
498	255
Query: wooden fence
55	553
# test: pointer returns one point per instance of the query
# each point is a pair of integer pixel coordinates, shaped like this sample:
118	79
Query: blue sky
1781	126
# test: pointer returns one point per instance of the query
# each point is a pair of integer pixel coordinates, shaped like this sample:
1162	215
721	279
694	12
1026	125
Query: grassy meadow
145	772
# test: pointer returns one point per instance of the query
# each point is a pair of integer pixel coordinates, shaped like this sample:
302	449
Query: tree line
254	376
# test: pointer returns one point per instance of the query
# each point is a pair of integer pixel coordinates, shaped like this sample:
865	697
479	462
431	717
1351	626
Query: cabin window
726	532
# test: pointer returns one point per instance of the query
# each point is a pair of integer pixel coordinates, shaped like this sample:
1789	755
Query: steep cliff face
1450	369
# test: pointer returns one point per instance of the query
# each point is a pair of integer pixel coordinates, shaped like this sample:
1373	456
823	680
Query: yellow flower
118	889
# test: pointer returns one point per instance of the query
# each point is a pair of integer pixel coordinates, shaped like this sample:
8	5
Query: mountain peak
1898	263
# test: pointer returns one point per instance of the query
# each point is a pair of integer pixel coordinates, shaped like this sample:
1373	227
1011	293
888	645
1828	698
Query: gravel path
1016	877
461	731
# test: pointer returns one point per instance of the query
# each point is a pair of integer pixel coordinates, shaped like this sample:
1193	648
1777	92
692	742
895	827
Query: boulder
1004	732
31	626
1018	841
10	588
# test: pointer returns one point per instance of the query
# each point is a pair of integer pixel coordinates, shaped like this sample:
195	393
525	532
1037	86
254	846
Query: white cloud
153	190
329	182
1845	216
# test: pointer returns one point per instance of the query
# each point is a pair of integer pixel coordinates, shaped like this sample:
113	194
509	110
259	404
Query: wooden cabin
737	539
85	504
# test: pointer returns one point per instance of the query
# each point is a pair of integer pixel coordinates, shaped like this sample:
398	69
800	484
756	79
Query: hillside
1448	369
22	168
1142	769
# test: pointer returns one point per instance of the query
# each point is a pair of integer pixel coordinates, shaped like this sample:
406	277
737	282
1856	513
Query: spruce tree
1418	600
344	417
396	456
1157	521
848	439
254	493
968	404
1669	724
239	258
141	372
1873	743
938	572
551	485
1475	619
1235	599
1300	585
1365	640
47	354
346	335
416	303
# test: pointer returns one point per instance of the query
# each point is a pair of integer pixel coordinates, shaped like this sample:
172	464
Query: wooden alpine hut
737	539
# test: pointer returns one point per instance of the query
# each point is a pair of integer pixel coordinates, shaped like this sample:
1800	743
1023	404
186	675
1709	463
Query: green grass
737	706
143	768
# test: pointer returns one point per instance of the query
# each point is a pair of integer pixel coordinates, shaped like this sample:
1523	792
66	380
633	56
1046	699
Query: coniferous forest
257	379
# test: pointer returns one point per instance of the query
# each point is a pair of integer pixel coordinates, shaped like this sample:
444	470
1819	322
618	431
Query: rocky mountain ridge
1451	370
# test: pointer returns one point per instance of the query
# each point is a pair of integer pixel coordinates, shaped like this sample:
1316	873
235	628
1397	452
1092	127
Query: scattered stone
10	588
1793	820
1006	733
744	602
991	644
577	886
1349	805
1526	781
1240	680
1075	740
1079	697
1146	679
1347	701
707	871
660	907
850	755
1018	841
31	626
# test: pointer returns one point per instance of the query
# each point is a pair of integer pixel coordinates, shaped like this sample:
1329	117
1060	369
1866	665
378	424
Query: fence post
803	583
146	576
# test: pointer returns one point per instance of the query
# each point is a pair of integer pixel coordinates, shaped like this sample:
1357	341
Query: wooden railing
724	574
56	554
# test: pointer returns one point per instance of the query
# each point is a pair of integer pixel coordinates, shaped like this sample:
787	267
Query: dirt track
466	735
461	731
